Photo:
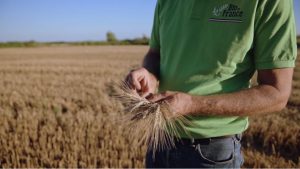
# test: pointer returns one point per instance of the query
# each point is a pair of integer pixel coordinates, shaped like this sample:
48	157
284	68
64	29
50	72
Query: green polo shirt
210	47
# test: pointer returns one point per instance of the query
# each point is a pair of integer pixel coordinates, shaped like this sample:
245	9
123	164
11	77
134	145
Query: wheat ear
150	122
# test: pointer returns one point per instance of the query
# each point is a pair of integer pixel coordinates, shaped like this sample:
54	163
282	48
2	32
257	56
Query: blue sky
75	20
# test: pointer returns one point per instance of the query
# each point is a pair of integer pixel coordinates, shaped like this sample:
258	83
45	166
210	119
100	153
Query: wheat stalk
150	122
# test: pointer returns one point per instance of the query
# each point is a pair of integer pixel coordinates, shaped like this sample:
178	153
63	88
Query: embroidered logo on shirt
227	13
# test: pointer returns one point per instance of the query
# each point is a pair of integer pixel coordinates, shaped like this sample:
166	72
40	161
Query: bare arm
270	95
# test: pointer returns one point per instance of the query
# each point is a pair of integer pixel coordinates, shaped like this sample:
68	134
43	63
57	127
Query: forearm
151	62
257	100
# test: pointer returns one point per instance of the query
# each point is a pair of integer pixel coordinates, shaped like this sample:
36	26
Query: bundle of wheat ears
150	122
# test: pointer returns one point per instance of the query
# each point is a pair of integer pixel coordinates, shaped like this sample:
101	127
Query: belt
192	141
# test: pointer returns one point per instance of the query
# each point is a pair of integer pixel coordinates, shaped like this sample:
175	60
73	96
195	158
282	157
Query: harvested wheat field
56	111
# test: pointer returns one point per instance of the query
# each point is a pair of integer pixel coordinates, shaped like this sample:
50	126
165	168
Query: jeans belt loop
238	137
193	140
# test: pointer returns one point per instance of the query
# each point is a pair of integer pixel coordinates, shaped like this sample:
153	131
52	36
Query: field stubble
56	111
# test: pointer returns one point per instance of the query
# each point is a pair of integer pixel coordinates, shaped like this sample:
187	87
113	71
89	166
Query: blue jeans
215	153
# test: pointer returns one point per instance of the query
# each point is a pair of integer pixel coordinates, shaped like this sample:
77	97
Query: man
202	56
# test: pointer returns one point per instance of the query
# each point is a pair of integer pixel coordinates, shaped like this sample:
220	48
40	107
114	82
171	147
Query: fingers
141	81
135	82
159	97
145	89
145	94
133	79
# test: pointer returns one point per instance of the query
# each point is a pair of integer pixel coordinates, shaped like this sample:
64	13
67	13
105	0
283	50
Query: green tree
111	37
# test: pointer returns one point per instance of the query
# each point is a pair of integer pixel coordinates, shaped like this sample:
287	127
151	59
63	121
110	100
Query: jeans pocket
220	151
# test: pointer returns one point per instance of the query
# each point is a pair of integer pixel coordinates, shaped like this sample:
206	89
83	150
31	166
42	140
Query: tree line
111	39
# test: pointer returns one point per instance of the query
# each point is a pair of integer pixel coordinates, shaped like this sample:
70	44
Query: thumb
136	84
145	94
155	97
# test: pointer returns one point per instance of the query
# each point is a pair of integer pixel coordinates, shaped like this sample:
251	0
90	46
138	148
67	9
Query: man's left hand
179	103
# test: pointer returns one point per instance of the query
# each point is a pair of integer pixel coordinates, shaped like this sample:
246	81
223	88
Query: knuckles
136	72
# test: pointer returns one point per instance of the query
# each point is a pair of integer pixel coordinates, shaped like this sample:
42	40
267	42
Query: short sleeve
275	35
154	40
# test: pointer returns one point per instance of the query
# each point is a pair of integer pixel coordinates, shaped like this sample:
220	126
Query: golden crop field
56	110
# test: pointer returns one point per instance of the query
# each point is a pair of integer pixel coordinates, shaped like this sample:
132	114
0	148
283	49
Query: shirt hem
275	64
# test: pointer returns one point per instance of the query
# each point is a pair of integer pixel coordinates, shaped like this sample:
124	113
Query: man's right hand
142	81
